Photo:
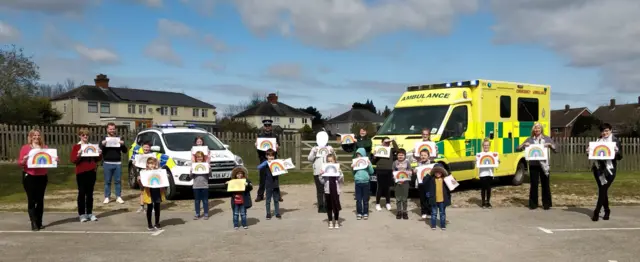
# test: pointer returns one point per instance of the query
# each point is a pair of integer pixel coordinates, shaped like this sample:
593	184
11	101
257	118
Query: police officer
267	132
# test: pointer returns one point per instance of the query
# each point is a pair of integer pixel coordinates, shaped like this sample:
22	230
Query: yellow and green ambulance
462	114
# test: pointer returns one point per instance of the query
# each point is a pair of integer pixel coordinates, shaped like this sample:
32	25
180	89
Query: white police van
176	142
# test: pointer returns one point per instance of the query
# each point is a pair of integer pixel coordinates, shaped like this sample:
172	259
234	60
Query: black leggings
35	186
86	182
485	190
150	208
385	180
603	190
330	210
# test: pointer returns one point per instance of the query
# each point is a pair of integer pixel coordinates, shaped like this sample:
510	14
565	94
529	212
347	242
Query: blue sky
331	54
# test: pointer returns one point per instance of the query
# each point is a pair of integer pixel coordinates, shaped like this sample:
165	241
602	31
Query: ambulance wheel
518	178
133	176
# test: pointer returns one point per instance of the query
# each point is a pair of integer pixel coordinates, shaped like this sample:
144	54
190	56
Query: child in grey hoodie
318	159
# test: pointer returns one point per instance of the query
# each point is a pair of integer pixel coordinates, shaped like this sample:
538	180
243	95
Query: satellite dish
322	138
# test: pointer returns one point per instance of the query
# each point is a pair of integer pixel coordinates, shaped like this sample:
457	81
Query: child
271	185
200	188
486	177
153	197
440	196
425	207
332	194
317	161
384	173
362	178
241	201
402	187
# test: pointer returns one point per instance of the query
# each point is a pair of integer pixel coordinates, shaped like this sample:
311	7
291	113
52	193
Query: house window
528	109
142	109
196	112
277	120
93	107
205	113
105	108
292	120
174	111
304	120
263	117
505	106
556	130
65	108
164	110
131	109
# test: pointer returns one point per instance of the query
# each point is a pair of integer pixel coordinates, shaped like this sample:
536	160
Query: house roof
357	115
617	114
273	109
566	117
127	95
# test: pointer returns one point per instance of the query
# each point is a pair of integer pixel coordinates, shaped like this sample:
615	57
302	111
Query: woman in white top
604	171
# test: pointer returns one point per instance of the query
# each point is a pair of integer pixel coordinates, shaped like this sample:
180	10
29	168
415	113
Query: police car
176	142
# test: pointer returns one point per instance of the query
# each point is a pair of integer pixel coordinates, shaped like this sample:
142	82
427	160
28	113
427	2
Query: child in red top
241	201
85	176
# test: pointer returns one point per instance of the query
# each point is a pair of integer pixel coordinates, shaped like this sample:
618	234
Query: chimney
566	108
272	98
102	81
612	104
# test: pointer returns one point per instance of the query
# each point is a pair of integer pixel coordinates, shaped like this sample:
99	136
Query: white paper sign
277	167
89	150
141	160
451	182
112	142
602	150
203	149
382	151
42	158
401	176
487	159
425	145
323	151
200	168
347	139
422	171
264	144
331	169
360	163
288	164
154	178
536	152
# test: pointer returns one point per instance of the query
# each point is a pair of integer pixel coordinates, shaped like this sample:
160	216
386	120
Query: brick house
562	120
624	118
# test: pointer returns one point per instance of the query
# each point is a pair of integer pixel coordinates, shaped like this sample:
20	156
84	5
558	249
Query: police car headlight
239	161
182	162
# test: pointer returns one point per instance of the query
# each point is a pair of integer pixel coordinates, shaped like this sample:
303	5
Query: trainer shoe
119	200
424	216
388	206
358	217
92	217
83	218
246	227
378	207
106	200
365	217
140	209
336	225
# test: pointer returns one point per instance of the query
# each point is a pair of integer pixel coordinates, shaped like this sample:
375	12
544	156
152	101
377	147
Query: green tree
370	127
307	133
233	125
386	112
586	126
317	122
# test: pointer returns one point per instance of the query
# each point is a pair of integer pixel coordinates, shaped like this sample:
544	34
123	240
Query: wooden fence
572	154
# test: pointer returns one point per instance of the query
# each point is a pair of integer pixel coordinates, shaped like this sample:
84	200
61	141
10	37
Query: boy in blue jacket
271	185
361	178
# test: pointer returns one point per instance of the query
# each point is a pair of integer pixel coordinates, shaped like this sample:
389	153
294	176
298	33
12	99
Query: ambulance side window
457	123
505	107
528	109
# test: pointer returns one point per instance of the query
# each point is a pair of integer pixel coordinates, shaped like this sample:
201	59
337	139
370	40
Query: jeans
275	195
239	209
362	198
35	187
319	192
201	195
537	174
112	172
86	182
438	207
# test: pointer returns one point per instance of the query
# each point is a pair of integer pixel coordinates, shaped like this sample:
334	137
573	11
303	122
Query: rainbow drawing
154	180
602	150
288	164
535	152
429	146
199	168
360	163
401	176
382	151
277	167
423	172
90	150
42	158
331	169
324	151
487	159
265	144
347	139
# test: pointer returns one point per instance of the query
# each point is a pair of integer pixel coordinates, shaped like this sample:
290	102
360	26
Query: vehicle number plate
373	178
218	175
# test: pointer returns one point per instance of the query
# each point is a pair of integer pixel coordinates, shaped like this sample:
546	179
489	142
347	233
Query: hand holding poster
277	167
331	169
426	145
154	178
602	150
288	164
236	185
141	160
487	159
112	142
265	144
382	151
200	168
347	139
360	163
401	176
536	152
423	171
451	182
42	158
89	150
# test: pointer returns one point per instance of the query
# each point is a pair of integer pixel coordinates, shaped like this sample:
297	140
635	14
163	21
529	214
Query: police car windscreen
184	141
411	120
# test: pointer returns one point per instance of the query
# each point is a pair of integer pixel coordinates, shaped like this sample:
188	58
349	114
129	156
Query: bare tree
256	98
54	90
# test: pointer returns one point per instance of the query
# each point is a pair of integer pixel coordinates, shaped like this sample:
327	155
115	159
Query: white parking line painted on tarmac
613	260
152	233
551	231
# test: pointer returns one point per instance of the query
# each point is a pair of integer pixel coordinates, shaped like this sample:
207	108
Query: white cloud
99	55
590	33
171	28
8	33
214	43
346	23
161	49
289	71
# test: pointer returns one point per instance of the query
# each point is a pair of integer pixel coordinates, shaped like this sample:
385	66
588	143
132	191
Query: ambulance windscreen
411	120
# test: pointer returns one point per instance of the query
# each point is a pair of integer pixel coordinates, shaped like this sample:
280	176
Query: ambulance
462	114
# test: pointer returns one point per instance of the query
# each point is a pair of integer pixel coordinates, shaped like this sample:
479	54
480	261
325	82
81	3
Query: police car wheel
171	191
133	183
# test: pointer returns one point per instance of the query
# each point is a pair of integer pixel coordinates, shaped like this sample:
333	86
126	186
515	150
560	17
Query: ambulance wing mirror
491	135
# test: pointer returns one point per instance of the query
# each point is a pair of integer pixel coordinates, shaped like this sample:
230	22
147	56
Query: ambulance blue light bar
472	83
